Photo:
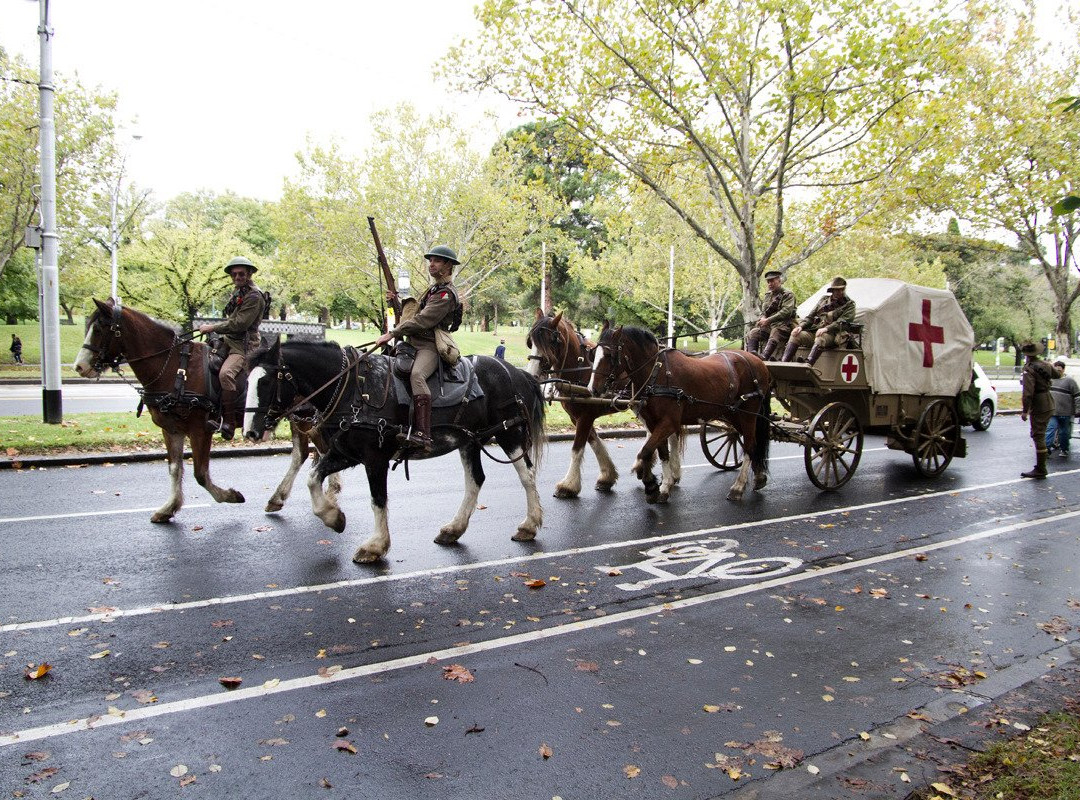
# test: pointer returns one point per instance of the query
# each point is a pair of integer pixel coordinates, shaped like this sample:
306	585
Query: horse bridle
557	344
609	383
101	361
277	410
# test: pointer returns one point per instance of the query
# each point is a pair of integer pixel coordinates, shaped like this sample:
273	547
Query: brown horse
179	402
675	389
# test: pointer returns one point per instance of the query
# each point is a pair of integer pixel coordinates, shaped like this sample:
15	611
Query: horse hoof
159	517
363	556
662	498
565	494
339	525
604	486
448	535
523	535
273	506
235	497
760	481
735	496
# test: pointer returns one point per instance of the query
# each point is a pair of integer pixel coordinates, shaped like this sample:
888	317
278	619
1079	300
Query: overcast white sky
227	91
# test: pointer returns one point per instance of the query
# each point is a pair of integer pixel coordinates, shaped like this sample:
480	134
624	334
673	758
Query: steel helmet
442	251
240	261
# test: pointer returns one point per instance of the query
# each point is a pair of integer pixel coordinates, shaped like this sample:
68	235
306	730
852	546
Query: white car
988	400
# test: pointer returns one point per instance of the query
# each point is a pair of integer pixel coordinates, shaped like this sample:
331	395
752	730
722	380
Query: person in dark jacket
1037	404
240	330
1066	396
824	326
16	349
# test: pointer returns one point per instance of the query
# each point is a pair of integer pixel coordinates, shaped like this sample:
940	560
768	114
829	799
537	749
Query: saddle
449	385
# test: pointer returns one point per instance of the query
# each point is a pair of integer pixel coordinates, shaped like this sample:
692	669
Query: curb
87	459
962	722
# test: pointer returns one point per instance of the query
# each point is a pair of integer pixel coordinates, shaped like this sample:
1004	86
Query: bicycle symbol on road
705	558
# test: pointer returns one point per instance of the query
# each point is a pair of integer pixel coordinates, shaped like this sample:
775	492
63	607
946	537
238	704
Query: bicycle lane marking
294	684
510	560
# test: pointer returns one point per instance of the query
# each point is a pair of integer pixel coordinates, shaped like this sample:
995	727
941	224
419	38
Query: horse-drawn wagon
908	363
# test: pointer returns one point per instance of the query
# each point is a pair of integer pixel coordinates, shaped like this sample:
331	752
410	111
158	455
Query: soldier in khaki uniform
824	326
240	330
777	317
1037	403
437	310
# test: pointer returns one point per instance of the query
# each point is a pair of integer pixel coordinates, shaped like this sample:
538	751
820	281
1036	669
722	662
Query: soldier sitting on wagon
777	317
824	326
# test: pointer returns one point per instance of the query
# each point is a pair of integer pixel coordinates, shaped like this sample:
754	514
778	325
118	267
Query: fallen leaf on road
230	682
41	775
37	755
456	672
60	787
587	666
179	770
536	583
431	722
631	771
344	745
35	671
144	696
545	751
670	781
99	654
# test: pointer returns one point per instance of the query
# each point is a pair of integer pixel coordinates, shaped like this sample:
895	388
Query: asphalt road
596	671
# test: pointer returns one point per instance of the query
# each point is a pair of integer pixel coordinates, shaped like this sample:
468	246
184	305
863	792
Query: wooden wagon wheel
834	442
936	436
721	445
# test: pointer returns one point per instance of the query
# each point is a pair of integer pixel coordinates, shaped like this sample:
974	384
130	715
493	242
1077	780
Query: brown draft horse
116	334
676	389
561	355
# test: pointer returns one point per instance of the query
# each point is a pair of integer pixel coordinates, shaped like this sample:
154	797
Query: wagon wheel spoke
721	445
833	446
937	434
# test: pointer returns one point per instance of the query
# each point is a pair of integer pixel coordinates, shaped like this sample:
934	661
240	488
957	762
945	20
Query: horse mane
639	336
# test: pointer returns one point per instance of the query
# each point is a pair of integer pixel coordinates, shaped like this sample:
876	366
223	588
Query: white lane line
76	514
500	562
293	684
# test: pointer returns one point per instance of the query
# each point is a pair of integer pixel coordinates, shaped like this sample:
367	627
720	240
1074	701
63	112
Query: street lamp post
114	232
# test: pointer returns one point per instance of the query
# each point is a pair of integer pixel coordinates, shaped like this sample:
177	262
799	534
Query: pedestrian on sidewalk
1066	396
16	349
1036	403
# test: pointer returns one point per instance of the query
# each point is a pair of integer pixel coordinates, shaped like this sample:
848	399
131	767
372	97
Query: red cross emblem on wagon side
849	368
926	333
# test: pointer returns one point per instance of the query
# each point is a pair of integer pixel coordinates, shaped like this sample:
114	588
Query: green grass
1041	765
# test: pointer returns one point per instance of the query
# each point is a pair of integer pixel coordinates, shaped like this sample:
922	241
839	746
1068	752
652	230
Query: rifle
391	287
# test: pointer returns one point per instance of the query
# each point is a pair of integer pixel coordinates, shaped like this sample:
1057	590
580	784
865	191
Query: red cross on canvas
926	333
849	368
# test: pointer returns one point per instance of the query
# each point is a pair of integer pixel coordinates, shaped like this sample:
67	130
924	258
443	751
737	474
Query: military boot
1039	470
418	441
769	347
815	353
228	415
789	351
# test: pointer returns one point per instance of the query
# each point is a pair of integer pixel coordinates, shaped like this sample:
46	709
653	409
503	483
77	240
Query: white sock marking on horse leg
252	401
322	506
608	473
460	521
534	516
667	477
675	446
378	544
570	485
284	489
739	486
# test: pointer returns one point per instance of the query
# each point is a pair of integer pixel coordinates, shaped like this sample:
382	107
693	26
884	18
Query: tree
176	271
753	110
85	149
1014	160
18	288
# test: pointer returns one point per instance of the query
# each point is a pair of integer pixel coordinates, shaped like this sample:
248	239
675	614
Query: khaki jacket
829	315
1035	383
243	314
436	310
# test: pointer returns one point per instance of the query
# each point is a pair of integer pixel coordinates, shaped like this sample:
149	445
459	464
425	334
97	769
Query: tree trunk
486	324
1064	335
67	310
12	320
324	315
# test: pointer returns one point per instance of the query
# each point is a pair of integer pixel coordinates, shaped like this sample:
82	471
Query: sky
224	93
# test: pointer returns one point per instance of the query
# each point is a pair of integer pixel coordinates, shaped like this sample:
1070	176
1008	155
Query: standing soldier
1036	402
240	330
824	326
777	317
439	309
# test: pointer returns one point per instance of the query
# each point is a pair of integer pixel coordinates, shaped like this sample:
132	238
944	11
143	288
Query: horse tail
536	410
759	458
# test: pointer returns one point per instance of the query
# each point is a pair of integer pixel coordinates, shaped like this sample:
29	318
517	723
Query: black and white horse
361	410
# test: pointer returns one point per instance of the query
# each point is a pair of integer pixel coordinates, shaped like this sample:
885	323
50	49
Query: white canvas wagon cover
915	340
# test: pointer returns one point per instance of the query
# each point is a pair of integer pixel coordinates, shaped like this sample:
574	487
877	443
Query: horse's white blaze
85	356
595	366
533	367
252	398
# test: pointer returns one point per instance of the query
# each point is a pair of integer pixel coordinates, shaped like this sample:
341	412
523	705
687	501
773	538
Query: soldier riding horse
362	404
